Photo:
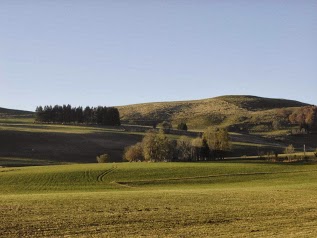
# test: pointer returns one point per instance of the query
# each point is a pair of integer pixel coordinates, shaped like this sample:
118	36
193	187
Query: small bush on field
103	158
182	126
315	153
276	124
272	156
134	153
288	151
269	156
166	126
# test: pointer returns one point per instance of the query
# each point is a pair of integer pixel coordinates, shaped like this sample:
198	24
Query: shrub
276	124
157	147
288	151
134	153
182	126
166	126
270	156
315	153
103	158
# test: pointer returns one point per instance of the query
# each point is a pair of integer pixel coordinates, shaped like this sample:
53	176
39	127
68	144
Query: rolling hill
26	143
254	113
5	112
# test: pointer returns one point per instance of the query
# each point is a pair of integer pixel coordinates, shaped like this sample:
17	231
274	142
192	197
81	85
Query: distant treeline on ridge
68	114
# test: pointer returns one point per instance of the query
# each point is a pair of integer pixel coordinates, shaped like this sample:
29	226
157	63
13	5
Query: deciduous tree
157	147
218	141
134	153
184	148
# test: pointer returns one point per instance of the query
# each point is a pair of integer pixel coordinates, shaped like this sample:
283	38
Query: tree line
157	147
305	117
68	114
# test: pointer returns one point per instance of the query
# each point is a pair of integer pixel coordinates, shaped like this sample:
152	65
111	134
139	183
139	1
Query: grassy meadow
70	195
27	143
254	113
224	199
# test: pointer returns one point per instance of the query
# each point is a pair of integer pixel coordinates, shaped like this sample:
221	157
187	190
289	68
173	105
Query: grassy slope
160	200
4	112
223	111
25	143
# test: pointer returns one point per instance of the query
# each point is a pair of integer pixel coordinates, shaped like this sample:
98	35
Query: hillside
4	112
28	144
234	111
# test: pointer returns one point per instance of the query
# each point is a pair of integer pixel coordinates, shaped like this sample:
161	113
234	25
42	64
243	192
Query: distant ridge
238	112
260	103
5	112
226	111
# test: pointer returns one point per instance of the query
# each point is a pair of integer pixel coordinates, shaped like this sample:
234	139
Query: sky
113	53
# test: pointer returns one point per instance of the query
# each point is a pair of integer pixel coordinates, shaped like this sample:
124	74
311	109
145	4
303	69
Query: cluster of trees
68	114
167	126
156	147
306	117
289	155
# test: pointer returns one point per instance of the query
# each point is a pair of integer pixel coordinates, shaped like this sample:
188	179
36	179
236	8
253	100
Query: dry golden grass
222	111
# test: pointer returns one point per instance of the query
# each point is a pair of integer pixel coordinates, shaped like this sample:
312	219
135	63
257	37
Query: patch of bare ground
62	147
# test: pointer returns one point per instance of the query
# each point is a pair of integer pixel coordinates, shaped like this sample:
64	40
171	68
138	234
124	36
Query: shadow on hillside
62	147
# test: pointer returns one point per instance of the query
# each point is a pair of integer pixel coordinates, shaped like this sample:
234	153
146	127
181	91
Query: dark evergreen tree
205	151
67	114
99	114
39	115
182	126
87	117
57	114
105	116
113	117
79	115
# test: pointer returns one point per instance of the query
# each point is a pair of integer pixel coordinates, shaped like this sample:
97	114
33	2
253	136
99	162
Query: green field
240	197
223	199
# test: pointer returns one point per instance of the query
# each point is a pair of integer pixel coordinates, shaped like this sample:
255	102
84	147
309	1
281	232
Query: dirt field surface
62	147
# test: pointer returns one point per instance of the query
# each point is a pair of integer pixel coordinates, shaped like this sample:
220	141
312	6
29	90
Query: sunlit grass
56	128
159	200
16	120
16	161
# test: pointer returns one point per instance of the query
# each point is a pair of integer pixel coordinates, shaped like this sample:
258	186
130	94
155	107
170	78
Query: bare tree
184	148
288	151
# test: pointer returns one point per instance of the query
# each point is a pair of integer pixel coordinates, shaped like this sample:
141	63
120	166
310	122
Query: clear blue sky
123	52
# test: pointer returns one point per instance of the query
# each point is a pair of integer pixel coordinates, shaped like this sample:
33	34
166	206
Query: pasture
25	143
224	199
